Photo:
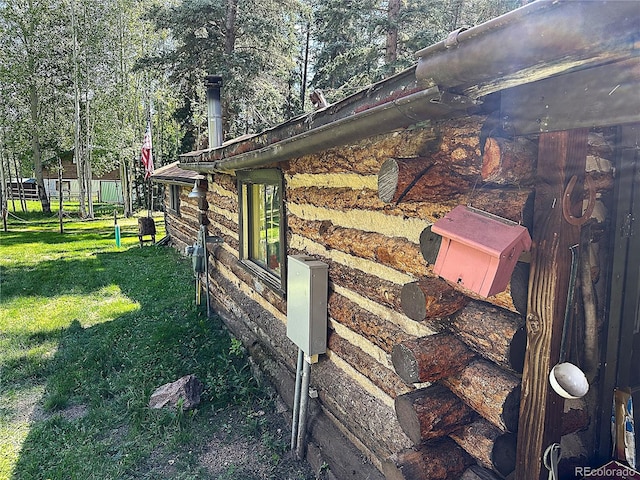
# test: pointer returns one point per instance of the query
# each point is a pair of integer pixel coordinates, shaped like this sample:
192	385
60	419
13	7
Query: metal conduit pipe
296	401
304	407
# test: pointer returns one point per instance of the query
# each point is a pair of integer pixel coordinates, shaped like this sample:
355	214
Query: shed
500	116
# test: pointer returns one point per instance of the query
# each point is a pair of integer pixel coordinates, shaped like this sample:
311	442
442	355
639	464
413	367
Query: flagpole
150	212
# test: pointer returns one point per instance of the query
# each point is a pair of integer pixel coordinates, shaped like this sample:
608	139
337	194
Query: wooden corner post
561	155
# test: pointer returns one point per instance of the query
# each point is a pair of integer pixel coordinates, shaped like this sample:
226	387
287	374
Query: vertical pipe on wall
213	83
296	401
304	405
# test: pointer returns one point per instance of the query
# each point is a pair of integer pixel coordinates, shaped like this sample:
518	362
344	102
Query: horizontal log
509	161
394	252
430	298
367	155
494	333
491	391
369	286
437	460
428	359
378	331
231	262
385	379
506	202
227	182
398	176
223	202
490	447
434	180
365	416
431	412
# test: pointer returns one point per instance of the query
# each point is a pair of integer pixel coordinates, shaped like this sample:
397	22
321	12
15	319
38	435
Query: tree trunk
431	358
490	447
430	298
492	392
77	156
431	412
393	16
230	26
3	190
36	147
437	460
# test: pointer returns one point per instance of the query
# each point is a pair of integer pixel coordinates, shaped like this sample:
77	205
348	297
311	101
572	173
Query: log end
388	180
413	301
504	454
405	363
518	350
436	460
430	245
511	410
408	417
491	159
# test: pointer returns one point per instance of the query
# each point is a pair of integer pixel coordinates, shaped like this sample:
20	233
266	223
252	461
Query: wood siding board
561	155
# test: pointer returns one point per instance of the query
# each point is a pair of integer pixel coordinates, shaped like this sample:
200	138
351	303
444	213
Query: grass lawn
87	332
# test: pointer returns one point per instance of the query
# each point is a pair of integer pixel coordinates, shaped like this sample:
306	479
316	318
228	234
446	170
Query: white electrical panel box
307	291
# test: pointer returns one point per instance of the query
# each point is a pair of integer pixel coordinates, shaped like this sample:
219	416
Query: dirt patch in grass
253	446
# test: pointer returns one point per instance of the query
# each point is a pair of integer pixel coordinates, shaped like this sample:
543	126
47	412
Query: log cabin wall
423	397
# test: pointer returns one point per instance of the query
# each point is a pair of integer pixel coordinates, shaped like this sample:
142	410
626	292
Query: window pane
264	235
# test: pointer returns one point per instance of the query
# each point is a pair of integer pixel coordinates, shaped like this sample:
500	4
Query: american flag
146	155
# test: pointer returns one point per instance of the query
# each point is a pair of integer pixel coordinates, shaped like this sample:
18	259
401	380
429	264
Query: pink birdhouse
479	250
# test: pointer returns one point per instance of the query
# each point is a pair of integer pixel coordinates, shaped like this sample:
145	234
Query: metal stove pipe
213	83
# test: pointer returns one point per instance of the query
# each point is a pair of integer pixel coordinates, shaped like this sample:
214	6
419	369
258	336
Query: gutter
400	113
541	39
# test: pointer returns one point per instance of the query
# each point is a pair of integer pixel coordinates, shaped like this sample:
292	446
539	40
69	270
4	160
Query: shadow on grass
110	369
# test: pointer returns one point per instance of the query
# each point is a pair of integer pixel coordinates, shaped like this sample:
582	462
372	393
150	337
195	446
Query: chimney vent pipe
214	110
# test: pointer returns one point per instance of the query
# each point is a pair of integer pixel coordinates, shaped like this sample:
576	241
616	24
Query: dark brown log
430	298
491	391
378	331
398	176
490	447
495	333
382	377
436	460
431	358
476	472
431	412
437	183
509	161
